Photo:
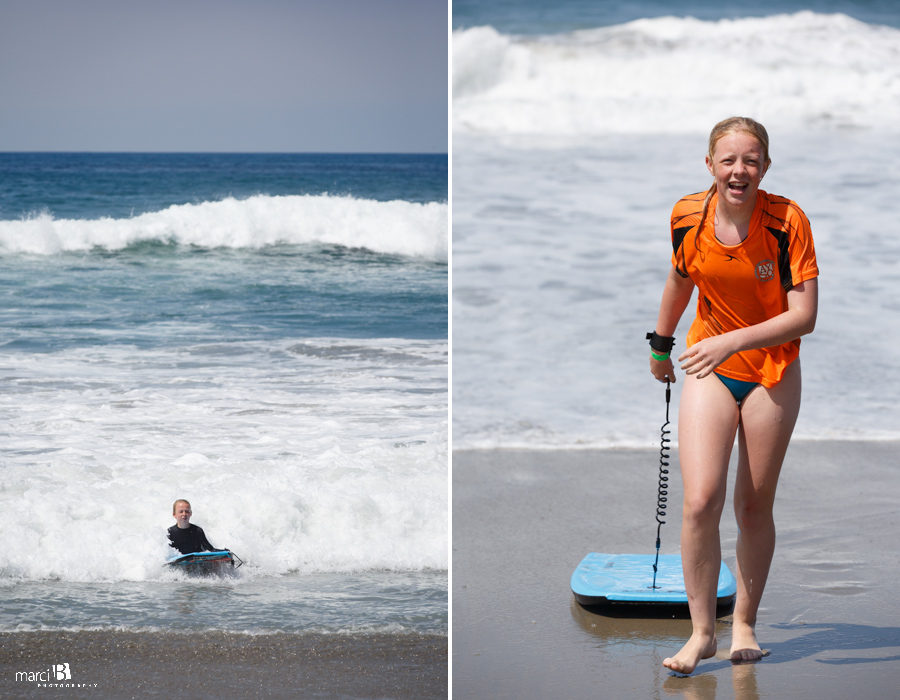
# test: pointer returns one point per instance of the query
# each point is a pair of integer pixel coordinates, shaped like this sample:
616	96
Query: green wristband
659	358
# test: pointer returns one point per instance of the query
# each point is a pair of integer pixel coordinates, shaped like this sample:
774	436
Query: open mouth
738	187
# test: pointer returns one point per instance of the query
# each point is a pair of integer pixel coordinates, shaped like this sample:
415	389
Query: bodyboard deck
605	579
203	563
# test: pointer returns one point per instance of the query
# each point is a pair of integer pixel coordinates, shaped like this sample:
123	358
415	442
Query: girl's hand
663	371
703	357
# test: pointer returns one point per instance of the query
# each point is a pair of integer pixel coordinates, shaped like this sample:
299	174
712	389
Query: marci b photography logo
56	676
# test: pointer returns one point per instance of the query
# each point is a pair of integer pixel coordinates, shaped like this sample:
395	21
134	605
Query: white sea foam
395	227
567	162
679	75
559	259
320	455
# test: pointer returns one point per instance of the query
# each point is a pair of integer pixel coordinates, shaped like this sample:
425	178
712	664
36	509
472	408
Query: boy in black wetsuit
183	536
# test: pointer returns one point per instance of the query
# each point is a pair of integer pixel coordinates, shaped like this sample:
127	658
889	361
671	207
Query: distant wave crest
679	75
393	228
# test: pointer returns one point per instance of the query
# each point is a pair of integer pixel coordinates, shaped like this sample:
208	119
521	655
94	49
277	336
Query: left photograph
224	349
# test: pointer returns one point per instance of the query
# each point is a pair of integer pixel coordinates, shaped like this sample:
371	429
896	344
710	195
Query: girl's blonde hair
180	500
728	126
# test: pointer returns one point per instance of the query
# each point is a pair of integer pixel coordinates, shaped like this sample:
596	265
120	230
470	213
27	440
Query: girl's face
738	165
183	515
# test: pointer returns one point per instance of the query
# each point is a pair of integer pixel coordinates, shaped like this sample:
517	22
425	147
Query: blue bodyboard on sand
603	579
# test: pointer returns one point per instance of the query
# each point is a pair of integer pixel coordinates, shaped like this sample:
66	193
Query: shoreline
566	449
116	665
523	519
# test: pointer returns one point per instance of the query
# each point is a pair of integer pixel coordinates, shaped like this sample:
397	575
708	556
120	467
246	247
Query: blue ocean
264	335
546	17
578	124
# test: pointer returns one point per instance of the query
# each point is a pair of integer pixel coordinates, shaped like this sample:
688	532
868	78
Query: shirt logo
765	271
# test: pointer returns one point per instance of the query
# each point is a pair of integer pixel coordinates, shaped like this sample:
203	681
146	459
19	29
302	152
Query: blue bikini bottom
738	389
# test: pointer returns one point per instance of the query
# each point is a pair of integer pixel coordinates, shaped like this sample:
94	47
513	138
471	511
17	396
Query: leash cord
663	485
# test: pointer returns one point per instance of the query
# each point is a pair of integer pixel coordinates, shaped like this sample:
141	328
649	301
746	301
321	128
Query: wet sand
119	665
523	520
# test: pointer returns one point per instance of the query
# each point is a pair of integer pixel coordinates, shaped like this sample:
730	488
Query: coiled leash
663	485
660	350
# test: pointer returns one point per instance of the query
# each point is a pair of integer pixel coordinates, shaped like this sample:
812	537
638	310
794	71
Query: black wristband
660	343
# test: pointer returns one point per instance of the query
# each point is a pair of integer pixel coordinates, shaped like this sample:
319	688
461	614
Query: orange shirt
745	284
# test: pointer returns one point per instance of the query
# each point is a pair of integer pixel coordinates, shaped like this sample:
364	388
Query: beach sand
523	520
119	665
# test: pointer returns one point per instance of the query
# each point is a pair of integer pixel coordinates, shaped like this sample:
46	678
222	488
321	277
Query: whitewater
394	227
570	150
672	75
263	335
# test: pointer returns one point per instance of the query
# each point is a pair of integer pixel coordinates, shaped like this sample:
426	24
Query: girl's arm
675	299
800	318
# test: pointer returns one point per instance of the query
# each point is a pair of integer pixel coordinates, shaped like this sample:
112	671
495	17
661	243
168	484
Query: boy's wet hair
180	500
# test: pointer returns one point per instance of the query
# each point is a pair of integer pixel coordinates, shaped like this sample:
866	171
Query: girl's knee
702	510
753	515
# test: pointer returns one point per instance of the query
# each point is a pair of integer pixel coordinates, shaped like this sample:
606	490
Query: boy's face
183	515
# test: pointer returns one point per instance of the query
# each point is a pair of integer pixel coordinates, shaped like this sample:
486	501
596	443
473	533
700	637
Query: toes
678	667
747	655
674	666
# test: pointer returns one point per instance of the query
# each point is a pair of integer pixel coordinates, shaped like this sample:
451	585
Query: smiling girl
750	254
183	535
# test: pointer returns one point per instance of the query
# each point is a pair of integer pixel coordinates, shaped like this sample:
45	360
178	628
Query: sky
350	76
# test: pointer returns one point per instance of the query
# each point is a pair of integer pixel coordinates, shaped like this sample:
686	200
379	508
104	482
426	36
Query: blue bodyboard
203	563
603	579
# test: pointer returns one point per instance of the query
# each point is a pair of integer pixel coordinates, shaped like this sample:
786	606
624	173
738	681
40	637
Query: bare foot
698	647
744	646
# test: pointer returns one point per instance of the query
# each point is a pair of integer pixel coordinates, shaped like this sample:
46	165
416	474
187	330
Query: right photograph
674	310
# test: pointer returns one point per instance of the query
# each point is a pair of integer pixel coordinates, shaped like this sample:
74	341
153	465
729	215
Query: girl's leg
767	421
707	423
